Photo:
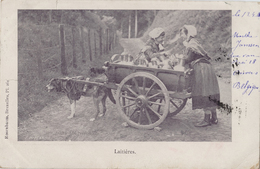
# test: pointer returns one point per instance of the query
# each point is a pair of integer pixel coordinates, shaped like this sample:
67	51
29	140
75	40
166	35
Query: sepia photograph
124	75
129	84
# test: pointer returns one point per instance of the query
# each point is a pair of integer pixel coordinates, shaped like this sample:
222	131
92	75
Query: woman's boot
205	122
214	118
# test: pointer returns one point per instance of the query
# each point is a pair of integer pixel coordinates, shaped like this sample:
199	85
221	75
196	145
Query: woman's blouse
195	52
150	48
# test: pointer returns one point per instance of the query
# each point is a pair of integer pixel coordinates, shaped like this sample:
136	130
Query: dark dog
75	90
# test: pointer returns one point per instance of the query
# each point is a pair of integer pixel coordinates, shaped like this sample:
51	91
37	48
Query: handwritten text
246	87
240	13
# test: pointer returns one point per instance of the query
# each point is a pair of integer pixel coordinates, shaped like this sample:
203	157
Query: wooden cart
145	96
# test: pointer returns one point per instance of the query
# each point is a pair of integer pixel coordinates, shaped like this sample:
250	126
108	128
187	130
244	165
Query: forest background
58	43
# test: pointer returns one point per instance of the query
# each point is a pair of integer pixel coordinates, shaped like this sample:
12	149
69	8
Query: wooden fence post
62	53
89	45
74	59
100	41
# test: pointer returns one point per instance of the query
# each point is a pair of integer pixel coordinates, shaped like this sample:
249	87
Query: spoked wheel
176	105
137	100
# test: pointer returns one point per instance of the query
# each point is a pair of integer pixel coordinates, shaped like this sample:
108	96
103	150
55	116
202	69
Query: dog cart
145	96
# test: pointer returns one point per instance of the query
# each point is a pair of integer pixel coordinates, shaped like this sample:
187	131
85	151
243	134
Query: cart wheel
136	100
176	105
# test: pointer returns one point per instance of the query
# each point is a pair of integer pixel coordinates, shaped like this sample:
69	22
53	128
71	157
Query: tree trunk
104	41
61	17
107	43
95	46
82	45
74	58
100	41
114	38
121	29
89	45
136	23
62	48
129	27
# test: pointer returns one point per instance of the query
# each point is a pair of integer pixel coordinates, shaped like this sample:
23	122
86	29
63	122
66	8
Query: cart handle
188	72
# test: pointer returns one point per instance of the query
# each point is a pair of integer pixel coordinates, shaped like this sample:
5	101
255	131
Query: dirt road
51	123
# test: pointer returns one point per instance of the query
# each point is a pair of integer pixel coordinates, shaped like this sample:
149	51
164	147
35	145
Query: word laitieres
124	151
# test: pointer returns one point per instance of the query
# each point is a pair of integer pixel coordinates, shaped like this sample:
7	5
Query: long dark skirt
205	88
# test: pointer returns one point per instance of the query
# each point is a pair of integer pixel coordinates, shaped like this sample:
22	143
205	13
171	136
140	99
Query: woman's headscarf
192	43
192	31
151	43
156	32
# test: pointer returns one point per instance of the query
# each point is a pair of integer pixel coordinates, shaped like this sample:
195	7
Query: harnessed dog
75	90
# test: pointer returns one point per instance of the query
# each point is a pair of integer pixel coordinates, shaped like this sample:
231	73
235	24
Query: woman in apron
205	88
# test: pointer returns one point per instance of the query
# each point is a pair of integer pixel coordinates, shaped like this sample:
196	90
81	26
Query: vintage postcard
129	84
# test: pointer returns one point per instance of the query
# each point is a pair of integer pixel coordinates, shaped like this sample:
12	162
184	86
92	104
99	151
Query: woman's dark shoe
205	122
214	121
214	118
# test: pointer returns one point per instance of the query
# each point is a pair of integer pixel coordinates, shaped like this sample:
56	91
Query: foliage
145	19
109	21
84	18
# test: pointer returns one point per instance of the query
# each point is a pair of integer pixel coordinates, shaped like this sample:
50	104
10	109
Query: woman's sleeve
149	54
146	54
